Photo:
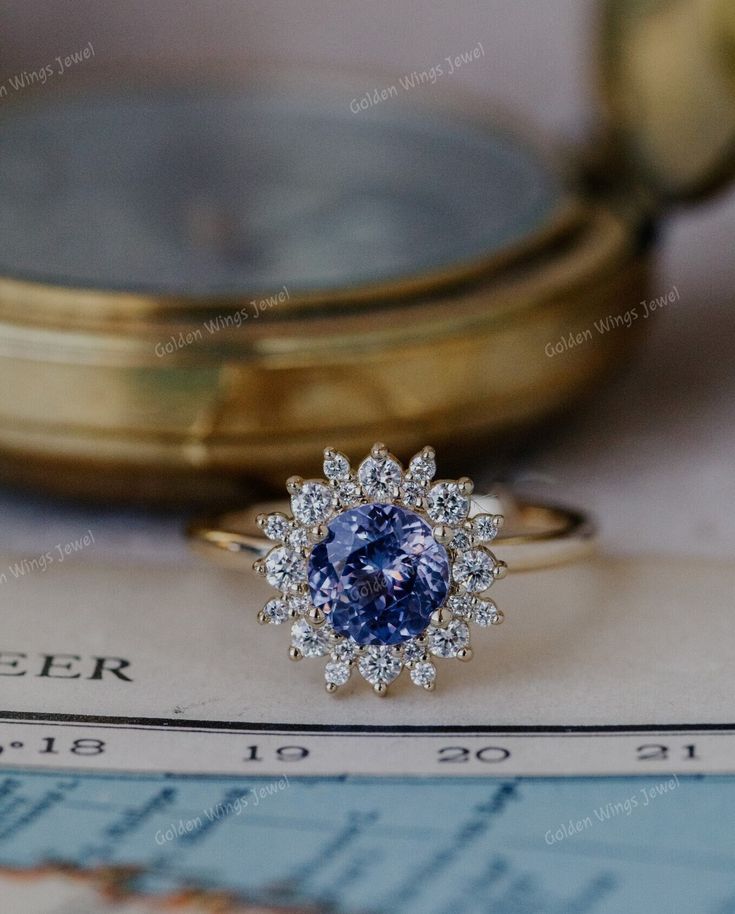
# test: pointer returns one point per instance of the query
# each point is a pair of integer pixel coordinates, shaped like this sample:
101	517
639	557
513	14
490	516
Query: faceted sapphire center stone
379	573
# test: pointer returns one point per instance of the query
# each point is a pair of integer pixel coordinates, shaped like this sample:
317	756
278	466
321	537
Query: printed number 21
657	752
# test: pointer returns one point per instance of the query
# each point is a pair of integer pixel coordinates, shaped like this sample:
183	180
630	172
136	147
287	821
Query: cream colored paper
646	642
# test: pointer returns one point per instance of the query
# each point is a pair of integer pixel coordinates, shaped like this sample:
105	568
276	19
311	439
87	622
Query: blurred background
650	452
538	57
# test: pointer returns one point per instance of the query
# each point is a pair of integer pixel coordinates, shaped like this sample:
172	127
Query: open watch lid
668	81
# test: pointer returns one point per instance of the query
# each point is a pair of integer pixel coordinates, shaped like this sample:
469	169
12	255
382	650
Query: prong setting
294	484
466	486
441	617
378	451
443	534
316	617
319	533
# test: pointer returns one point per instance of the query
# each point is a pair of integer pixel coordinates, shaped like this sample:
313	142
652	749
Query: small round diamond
462	540
337	673
312	642
380	665
423	674
348	492
276	527
484	528
284	568
446	504
336	467
413	493
422	468
380	478
297	604
413	652
297	537
345	650
474	569
276	611
313	504
461	604
484	613
445	642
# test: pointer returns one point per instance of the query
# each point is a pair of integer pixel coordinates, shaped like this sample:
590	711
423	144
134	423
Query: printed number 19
283	754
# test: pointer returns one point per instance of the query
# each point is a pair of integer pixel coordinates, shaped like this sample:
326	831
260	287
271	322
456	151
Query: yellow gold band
533	536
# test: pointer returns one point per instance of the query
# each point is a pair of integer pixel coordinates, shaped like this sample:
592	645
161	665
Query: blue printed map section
527	846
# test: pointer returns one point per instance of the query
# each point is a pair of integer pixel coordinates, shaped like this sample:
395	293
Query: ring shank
533	536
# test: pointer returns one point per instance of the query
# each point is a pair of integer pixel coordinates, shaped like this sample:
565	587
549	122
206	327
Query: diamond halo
380	569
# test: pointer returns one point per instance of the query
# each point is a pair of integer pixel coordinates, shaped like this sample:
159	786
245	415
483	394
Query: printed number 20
460	754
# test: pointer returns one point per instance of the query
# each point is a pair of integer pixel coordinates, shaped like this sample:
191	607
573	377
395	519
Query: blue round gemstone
379	573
